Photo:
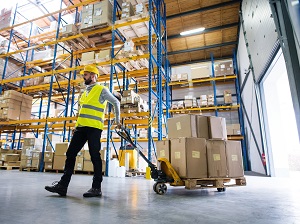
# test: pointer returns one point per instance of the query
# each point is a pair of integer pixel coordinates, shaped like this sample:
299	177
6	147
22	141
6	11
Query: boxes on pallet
182	126
103	55
188	157
217	128
128	46
35	163
229	129
102	14
48	165
140	9
163	149
227	96
216	158
174	77
48	157
203	101
79	163
36	154
129	93
69	29
143	133
202	71
234	159
88	56
127	10
61	148
88	166
86	155
33	141
9	157
59	162
26	162
210	100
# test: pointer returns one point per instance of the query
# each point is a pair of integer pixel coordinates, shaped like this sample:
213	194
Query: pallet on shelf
29	169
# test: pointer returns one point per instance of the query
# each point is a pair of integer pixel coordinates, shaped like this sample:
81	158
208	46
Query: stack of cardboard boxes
190	101
97	14
131	102
199	72
127	10
60	155
179	77
227	97
223	68
31	152
9	158
198	148
15	106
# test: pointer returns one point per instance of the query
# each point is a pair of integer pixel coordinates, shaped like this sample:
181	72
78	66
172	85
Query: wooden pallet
91	28
53	171
29	169
134	173
214	183
9	167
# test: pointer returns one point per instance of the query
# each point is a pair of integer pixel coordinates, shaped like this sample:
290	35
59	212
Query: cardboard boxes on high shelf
197	147
15	106
131	102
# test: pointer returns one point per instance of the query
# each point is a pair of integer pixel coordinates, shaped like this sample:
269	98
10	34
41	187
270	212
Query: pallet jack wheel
221	189
160	188
154	187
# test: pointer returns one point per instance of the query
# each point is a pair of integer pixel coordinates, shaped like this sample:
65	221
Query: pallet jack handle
124	134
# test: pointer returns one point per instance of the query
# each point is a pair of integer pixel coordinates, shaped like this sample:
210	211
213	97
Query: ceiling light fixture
198	30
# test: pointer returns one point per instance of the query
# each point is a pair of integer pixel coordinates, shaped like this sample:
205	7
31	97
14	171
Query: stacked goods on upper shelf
190	101
233	129
127	10
179	77
131	102
223	68
201	71
7	19
227	97
69	29
198	148
140	9
98	14
15	106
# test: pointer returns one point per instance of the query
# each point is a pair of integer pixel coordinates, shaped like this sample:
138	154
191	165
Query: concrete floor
132	200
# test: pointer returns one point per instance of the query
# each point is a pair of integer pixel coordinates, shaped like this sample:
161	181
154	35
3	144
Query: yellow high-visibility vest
91	113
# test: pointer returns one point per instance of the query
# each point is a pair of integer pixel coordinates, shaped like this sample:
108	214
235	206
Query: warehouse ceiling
219	18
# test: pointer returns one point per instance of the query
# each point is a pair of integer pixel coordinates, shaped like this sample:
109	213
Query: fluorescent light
192	31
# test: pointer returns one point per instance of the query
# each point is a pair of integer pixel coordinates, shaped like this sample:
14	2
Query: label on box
196	154
217	157
177	155
222	66
178	126
162	153
234	157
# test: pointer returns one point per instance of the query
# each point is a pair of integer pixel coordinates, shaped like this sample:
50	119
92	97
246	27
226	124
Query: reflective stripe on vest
91	113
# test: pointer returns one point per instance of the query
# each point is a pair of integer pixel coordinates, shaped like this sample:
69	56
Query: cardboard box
188	157
33	141
48	166
227	96
182	126
36	154
61	148
12	94
86	155
200	72
69	29
202	127
35	163
229	129
217	128
9	157
102	13
88	165
88	56
26	162
127	93
48	157
163	149
216	158
59	162
234	159
79	163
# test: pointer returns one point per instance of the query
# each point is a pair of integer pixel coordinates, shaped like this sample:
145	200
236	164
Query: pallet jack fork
166	173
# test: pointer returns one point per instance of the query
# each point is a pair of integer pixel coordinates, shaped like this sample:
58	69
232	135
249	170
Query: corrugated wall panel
260	31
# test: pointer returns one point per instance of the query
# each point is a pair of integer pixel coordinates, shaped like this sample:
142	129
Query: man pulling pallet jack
89	126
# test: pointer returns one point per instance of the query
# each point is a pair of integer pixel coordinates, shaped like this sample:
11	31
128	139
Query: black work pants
80	136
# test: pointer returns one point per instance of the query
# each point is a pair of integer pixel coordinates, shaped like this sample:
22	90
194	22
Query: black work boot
93	192
57	188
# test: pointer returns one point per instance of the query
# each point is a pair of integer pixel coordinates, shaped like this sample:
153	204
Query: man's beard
88	81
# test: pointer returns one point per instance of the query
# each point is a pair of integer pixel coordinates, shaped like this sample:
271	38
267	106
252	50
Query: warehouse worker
89	126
